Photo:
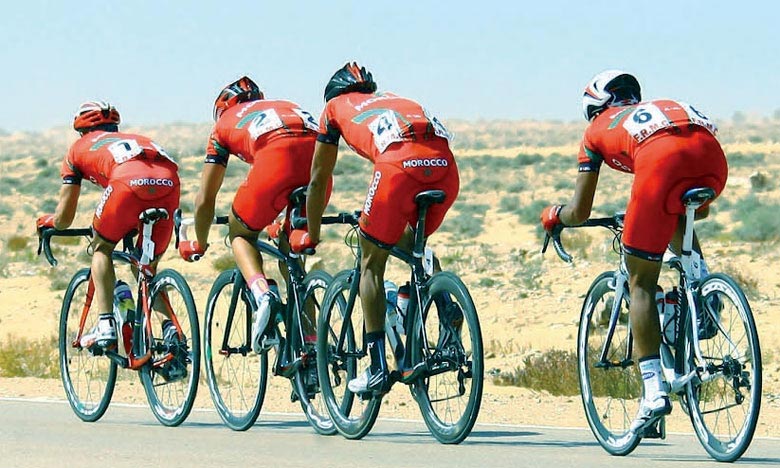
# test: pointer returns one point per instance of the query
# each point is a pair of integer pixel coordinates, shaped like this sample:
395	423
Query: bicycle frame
295	291
684	367
419	277
141	351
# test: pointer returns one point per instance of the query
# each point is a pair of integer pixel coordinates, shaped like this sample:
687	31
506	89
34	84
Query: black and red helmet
241	90
348	79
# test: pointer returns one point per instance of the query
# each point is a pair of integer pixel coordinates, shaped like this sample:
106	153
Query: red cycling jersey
671	147
277	139
136	173
410	151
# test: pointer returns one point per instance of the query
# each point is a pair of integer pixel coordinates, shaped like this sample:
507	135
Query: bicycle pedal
654	431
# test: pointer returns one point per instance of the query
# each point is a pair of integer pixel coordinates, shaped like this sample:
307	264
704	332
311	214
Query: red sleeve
215	152
70	173
589	158
329	131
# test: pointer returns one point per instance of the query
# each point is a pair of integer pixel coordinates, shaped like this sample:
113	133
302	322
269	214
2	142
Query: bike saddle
698	196
152	215
429	197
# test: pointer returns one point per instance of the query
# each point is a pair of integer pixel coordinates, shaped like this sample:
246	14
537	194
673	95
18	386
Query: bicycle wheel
306	382
610	388
725	402
88	379
449	394
353	417
237	376
170	378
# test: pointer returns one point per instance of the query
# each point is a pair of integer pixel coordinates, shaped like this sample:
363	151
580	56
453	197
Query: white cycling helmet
609	88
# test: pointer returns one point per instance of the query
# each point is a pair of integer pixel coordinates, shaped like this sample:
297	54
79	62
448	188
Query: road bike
168	369
237	376
710	352
442	363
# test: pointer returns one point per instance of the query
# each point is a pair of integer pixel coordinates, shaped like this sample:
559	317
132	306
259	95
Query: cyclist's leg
648	229
103	275
115	216
372	297
248	259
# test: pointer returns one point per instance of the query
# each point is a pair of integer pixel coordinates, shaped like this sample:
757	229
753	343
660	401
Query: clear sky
163	61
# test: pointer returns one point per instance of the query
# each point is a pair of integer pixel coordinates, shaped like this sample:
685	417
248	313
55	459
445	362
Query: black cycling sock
376	349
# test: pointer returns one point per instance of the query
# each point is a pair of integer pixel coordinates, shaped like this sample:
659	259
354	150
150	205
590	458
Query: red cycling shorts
665	168
281	168
390	205
135	186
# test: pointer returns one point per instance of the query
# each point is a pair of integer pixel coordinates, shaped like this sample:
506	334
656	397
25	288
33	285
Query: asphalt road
47	434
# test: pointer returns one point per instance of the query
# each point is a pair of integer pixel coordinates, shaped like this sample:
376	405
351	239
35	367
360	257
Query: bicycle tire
352	416
456	348
610	395
735	332
306	386
88	380
237	379
171	399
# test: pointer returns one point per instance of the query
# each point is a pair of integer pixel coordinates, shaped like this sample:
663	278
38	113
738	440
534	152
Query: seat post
687	243
693	199
419	232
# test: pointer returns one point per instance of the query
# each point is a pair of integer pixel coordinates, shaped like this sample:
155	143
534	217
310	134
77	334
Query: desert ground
528	303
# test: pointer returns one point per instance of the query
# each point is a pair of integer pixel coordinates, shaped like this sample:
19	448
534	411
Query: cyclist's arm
321	169
578	210
210	183
66	207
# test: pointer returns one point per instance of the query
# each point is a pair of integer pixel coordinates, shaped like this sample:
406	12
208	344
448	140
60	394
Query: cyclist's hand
45	221
300	241
274	229
191	251
550	217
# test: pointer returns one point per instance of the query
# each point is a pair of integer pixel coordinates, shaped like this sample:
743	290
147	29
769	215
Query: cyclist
670	147
276	138
136	174
410	152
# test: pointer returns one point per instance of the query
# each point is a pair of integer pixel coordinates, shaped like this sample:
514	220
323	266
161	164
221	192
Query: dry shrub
22	357
17	243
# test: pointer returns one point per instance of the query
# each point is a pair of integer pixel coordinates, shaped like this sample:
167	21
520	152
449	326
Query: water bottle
402	304
123	310
669	323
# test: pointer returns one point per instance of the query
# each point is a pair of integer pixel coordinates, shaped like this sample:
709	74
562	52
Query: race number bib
163	153
124	150
698	118
644	121
386	130
264	122
308	120
438	127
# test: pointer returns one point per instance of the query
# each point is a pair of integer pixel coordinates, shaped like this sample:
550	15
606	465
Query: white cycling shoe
649	412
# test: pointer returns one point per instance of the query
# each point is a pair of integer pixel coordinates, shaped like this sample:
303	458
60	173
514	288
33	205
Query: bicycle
441	356
237	376
168	370
713	364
